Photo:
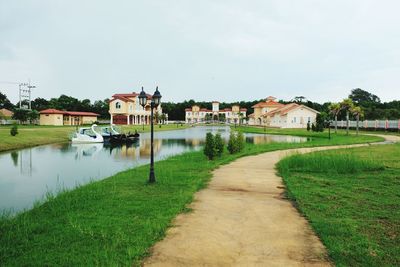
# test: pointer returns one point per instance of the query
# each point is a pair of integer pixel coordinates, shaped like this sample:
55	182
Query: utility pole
25	93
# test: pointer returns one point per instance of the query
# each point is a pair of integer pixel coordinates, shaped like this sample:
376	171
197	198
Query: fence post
386	124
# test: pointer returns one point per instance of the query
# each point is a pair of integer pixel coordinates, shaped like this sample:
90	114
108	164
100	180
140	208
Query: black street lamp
155	101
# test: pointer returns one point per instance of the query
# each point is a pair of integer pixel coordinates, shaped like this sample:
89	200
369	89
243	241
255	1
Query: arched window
117	105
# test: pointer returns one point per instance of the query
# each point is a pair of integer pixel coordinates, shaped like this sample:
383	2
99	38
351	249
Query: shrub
308	126
219	144
240	141
209	149
313	127
236	142
14	130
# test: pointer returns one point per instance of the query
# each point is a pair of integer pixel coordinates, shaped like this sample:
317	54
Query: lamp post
155	101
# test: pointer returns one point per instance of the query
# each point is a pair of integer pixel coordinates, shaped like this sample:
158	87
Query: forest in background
371	104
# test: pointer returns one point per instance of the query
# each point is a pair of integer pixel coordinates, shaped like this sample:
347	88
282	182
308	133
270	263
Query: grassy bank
29	136
115	221
304	132
351	199
33	136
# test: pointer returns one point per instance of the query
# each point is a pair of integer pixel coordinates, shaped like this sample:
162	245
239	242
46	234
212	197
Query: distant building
6	114
274	114
195	114
59	117
126	109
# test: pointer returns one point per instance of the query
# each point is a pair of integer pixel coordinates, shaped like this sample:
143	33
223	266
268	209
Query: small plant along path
243	219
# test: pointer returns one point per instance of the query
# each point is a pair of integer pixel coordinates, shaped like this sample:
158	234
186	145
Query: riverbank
350	197
29	136
115	221
305	133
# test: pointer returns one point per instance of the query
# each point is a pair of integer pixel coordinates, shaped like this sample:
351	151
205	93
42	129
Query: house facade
126	109
195	114
274	114
59	117
6	114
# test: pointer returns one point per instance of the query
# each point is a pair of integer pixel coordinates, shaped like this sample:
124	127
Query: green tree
14	130
33	115
236	142
346	105
219	144
21	115
5	102
40	104
357	112
209	148
334	109
363	98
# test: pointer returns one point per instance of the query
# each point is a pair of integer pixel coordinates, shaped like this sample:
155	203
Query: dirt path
242	219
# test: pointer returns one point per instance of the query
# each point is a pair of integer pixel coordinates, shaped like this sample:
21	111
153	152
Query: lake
27	174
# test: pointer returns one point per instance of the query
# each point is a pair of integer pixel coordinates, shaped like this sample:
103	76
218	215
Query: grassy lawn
351	198
114	222
304	132
33	135
29	136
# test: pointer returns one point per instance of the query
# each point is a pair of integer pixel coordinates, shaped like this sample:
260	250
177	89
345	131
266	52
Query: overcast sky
203	50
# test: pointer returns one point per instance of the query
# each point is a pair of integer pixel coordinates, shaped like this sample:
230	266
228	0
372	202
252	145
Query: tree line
370	104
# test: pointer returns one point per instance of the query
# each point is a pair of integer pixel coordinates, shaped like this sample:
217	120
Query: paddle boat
87	135
125	138
109	131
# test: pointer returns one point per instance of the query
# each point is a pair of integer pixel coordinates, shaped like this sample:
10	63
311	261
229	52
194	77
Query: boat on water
87	135
108	131
125	138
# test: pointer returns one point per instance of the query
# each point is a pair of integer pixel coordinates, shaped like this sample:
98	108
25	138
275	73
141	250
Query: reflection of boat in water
87	150
87	135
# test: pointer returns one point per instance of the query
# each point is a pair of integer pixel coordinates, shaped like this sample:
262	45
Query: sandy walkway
241	219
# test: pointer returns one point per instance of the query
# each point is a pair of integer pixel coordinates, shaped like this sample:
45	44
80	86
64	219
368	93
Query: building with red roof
60	117
274	114
125	109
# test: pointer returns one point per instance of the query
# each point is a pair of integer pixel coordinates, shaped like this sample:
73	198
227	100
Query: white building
195	114
273	114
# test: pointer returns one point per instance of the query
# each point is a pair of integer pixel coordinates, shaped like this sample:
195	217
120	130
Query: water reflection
27	174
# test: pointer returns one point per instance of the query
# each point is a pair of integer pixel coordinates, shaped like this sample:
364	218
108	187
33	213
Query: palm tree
334	109
358	112
347	104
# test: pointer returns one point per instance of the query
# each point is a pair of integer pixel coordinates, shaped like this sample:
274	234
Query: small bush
14	130
210	149
219	144
308	126
236	142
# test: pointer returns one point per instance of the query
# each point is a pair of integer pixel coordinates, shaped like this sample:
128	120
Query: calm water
27	174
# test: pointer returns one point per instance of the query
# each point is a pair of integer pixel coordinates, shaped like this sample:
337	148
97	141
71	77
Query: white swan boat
87	135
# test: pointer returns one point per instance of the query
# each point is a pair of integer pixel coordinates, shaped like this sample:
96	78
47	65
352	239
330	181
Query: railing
371	124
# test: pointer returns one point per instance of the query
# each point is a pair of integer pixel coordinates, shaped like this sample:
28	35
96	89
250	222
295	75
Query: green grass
351	198
115	221
29	136
32	136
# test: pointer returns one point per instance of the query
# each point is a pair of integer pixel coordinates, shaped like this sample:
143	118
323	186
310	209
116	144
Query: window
117	105
294	119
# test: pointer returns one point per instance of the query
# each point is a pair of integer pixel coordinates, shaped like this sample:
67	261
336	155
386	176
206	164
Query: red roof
81	113
51	111
125	97
188	109
243	109
71	113
269	103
